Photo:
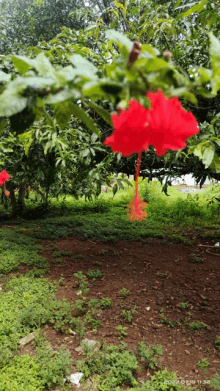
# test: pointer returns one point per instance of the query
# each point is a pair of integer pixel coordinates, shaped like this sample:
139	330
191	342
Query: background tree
84	74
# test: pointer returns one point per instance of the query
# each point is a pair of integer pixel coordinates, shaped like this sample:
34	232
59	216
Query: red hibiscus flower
169	125
165	126
4	176
130	135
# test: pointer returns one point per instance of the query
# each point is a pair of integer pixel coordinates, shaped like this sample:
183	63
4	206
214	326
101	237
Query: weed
80	276
44	370
19	249
203	364
113	368
163	381
103	251
124	292
106	302
197	326
26	304
58	261
79	306
93	322
79	328
217	342
78	256
94	303
121	331
128	314
58	254
37	273
183	306
215	382
94	274
61	281
98	263
83	284
194	258
148	354
169	323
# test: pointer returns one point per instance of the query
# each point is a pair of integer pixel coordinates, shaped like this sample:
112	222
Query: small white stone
75	378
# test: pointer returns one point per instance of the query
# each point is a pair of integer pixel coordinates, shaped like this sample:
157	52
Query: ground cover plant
150	333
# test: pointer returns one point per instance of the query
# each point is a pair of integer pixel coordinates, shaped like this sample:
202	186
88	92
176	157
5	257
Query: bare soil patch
160	275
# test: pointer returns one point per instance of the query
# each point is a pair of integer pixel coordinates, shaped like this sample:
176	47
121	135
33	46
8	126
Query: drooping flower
130	134
169	125
4	176
165	126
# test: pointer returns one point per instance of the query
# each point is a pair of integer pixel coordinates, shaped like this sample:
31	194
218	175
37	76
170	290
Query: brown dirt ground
158	274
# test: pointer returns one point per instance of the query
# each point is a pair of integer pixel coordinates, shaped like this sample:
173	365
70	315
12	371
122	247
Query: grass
105	218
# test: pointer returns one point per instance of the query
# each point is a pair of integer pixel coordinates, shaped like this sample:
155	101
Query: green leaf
208	156
23	63
61	96
148	49
115	189
11	103
215	165
37	82
83	66
127	181
111	88
49	145
4	77
119	38
153	64
198	150
119	5
84	117
120	184
195	9
93	90
44	66
102	112
114	12
214	52
62	113
2	124
190	97
69	73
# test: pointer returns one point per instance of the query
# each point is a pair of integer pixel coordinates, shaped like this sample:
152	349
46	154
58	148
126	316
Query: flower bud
167	55
134	54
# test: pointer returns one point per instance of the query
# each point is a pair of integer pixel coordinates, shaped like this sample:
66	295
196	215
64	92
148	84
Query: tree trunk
11	188
21	194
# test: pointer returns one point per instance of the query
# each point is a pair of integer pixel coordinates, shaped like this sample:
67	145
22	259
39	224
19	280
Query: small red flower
4	176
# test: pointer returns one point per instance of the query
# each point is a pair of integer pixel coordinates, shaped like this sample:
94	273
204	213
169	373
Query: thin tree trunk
11	189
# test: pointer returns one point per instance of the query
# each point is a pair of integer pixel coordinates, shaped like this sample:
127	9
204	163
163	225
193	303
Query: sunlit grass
105	218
